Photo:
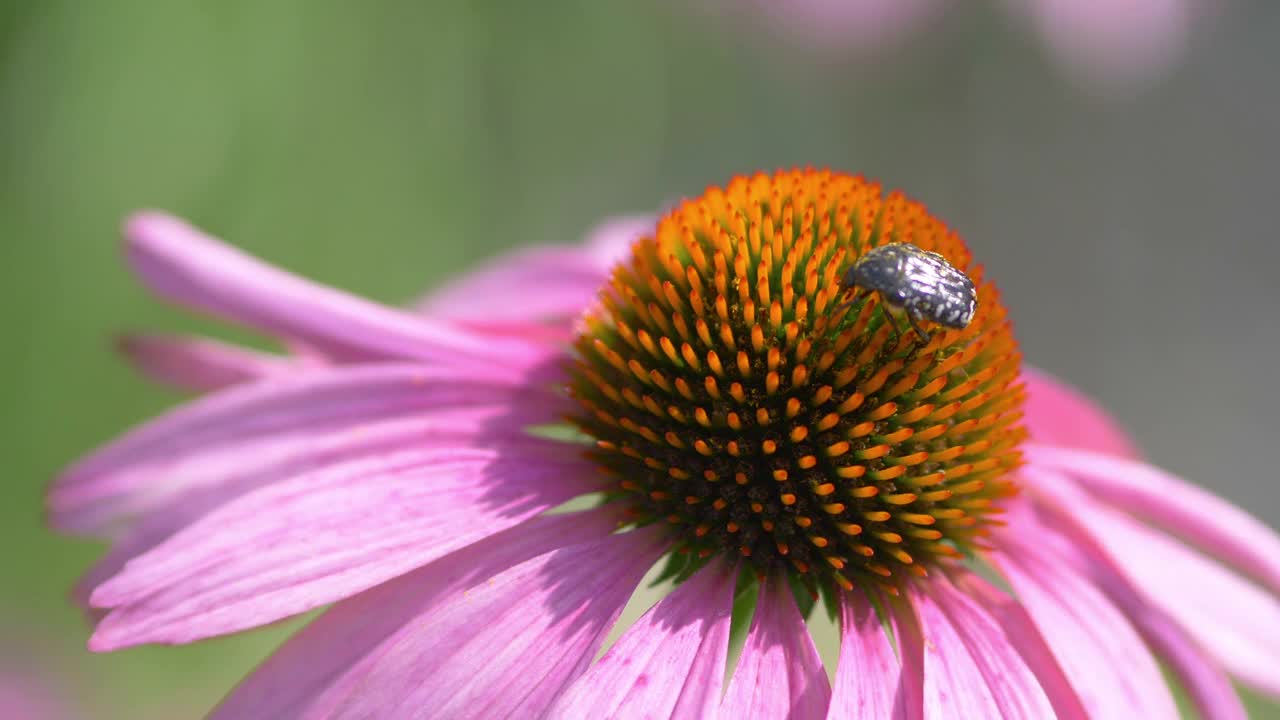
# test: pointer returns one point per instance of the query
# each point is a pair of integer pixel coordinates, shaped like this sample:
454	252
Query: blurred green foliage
377	147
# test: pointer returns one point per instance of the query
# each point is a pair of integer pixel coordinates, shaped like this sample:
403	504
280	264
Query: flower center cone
736	397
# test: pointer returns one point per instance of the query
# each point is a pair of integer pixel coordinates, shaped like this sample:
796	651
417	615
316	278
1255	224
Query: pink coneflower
730	421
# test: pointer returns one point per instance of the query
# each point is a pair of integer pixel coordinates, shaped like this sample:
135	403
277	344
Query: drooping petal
868	676
185	265
259	427
1057	414
1209	688
1232	619
165	511
497	629
1175	505
779	673
201	364
322	536
1072	515
670	664
1029	644
970	668
1084	631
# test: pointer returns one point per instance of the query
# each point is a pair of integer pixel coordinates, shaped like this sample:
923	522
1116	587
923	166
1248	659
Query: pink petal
531	284
1057	414
322	536
497	629
670	664
255	429
1188	512
1073	516
1028	642
166	513
201	364
868	677
1084	630
554	332
1230	618
535	294
779	674
185	265
609	243
547	282
970	668
1210	690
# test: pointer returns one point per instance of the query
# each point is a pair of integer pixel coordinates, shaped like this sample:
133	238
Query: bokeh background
1122	188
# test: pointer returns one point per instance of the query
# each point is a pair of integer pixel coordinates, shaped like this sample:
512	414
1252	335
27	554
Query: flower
23	698
1106	45
743	424
32	685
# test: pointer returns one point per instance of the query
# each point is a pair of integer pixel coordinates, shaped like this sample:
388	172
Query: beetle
917	281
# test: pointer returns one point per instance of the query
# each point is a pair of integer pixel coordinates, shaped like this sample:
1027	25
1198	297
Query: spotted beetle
918	281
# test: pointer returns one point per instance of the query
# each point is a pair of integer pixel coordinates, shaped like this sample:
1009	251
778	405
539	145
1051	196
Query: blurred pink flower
27	695
1112	44
384	468
1107	45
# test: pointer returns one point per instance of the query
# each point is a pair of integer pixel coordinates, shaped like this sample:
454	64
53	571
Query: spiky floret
731	398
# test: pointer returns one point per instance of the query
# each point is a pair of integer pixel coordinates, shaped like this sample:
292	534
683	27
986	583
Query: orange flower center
736	394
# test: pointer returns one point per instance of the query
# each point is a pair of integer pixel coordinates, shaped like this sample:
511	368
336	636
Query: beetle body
919	282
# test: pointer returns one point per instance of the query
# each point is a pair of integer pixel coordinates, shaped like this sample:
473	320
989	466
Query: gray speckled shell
921	282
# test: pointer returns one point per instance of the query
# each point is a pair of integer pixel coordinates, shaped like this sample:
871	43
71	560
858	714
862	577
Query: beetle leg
857	295
915	323
890	320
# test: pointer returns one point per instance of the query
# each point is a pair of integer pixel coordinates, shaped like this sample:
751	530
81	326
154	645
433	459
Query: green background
382	147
